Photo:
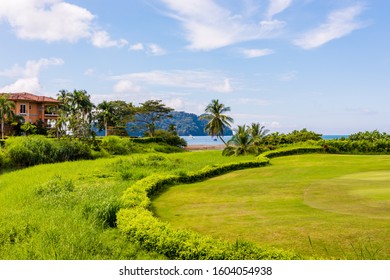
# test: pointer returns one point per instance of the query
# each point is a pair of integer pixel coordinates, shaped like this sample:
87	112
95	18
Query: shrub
292	151
140	226
116	145
145	140
170	138
28	151
36	149
69	150
346	146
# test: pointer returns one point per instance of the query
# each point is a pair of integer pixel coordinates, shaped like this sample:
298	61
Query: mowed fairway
322	206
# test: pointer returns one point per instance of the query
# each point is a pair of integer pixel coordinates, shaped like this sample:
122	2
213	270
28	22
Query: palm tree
6	110
105	114
76	112
258	132
241	142
218	121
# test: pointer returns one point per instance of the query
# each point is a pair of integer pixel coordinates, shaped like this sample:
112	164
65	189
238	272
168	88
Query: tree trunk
220	137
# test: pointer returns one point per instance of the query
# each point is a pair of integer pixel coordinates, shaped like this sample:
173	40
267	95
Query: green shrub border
137	221
287	151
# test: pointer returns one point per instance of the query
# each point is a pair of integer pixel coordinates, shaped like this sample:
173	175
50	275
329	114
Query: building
33	107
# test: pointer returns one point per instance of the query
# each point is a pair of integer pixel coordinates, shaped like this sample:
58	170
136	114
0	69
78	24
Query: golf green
326	206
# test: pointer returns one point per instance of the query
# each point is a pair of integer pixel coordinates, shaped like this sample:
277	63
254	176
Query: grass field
67	210
322	206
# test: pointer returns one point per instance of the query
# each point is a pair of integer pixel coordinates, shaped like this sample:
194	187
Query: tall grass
68	210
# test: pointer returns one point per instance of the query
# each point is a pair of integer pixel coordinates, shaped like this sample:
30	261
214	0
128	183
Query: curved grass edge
296	150
139	224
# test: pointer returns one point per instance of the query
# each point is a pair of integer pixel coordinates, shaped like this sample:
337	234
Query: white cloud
155	49
176	103
151	49
339	24
28	76
226	87
23	85
32	68
101	39
126	86
136	47
53	20
277	6
200	80
252	53
209	26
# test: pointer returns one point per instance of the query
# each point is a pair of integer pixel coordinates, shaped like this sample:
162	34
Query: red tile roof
32	97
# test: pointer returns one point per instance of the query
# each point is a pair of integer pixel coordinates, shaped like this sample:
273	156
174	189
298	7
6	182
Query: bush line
287	151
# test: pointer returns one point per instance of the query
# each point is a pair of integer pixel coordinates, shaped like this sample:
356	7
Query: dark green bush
171	138
346	146
70	150
145	140
36	149
286	151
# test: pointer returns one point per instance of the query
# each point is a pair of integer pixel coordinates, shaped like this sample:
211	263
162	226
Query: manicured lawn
326	206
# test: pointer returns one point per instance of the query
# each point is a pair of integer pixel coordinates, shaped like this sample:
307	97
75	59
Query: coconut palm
258	132
105	115
6	110
218	121
241	142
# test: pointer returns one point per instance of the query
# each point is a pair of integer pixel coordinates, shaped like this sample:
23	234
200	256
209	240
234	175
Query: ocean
208	140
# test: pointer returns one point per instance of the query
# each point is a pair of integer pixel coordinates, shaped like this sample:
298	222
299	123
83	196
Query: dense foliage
36	149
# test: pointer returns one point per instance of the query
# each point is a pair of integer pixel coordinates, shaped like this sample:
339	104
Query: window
23	108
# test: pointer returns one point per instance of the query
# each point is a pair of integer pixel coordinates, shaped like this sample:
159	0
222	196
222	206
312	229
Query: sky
323	65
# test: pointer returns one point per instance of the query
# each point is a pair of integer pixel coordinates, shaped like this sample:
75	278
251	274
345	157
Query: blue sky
323	65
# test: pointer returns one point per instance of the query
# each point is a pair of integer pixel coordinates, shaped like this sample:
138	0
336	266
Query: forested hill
187	124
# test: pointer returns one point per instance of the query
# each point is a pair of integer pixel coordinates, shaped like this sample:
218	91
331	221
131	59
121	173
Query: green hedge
36	149
152	234
346	146
146	140
287	151
141	226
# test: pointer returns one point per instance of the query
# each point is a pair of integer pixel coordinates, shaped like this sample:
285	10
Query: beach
201	147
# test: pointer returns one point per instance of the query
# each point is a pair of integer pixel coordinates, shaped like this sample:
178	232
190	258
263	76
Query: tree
150	112
217	120
241	143
258	132
75	113
113	113
6	110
